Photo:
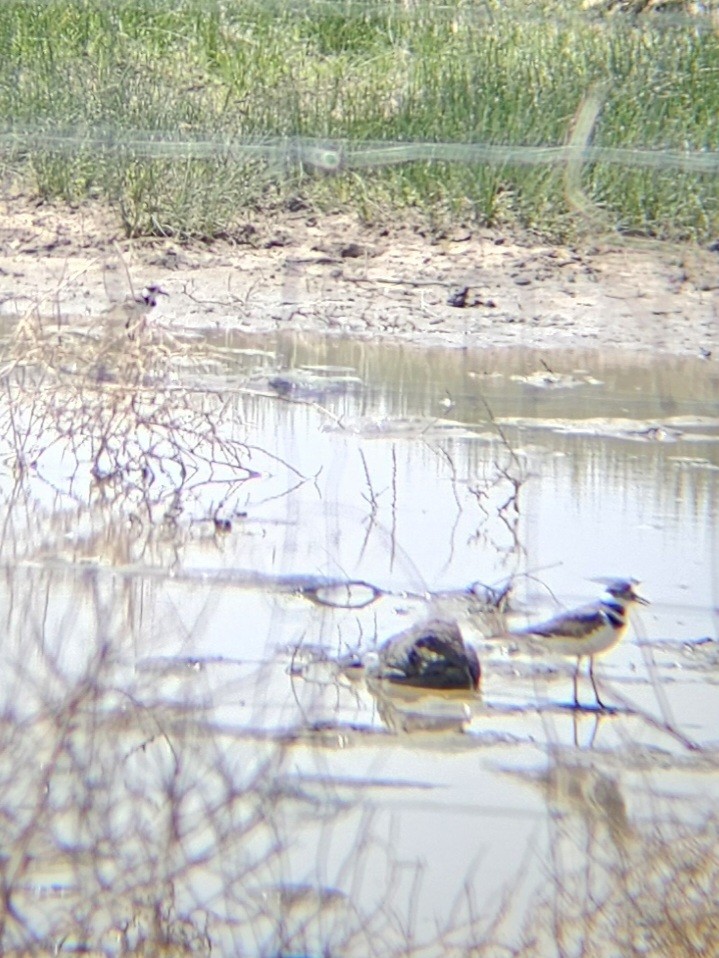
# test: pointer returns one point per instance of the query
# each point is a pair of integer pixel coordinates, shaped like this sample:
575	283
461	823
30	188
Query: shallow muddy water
177	625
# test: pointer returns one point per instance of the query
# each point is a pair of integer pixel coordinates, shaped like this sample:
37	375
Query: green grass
149	104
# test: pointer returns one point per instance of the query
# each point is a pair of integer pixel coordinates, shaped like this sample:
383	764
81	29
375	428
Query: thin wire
334	156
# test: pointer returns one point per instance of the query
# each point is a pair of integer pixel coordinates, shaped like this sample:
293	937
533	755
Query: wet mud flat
200	531
332	273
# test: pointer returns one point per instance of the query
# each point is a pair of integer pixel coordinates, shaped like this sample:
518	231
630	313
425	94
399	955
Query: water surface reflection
169	669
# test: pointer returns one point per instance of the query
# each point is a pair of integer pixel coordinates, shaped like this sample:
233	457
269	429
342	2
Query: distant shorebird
429	655
133	311
138	308
589	629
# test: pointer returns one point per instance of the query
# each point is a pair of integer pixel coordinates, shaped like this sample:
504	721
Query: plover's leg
594	683
576	682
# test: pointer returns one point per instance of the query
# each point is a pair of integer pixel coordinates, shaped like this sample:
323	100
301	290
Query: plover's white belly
589	644
585	633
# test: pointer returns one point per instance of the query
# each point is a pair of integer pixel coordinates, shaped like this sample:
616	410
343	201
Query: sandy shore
308	272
